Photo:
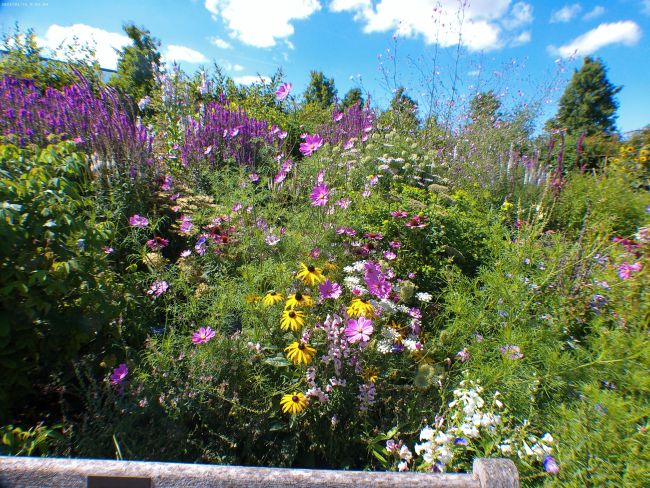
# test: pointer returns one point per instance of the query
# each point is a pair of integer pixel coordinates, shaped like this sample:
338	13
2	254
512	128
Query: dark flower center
298	296
294	399
301	346
311	269
292	314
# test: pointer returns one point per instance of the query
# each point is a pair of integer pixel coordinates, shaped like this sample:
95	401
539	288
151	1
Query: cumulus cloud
521	39
520	14
566	13
625	32
220	43
479	25
250	79
104	43
184	53
597	11
261	23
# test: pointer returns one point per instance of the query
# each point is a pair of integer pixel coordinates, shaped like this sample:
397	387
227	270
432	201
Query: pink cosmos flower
119	374
138	221
319	195
186	253
399	214
283	91
349	144
283	134
327	289
337	117
203	335
358	330
312	143
157	288
343	203
186	225
390	255
626	269
395	244
107	249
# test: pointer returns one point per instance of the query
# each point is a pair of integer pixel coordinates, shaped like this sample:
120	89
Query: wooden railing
25	472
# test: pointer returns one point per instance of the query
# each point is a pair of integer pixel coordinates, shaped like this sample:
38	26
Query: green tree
588	104
402	113
135	68
23	58
352	97
484	108
321	90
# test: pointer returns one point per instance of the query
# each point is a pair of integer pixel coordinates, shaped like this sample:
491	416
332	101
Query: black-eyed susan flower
252	298
360	308
292	319
310	274
370	374
293	403
300	352
271	298
299	300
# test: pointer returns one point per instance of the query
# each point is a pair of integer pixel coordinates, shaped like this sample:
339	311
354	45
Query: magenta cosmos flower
312	143
626	269
327	289
283	91
138	221
319	195
119	374
358	330
157	243
203	335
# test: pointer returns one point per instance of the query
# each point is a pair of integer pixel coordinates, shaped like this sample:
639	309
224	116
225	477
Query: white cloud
261	23
522	38
220	43
439	21
597	11
183	53
566	13
646	7
250	79
103	42
228	66
625	32
520	14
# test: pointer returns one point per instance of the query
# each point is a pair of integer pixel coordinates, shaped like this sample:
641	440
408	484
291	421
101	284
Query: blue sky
524	50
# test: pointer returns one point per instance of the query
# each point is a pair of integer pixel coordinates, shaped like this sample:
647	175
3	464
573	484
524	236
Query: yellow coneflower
300	352
330	266
292	319
371	374
299	300
271	298
359	308
310	274
293	403
252	298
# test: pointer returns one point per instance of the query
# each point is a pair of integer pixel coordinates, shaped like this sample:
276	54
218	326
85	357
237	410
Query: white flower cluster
469	420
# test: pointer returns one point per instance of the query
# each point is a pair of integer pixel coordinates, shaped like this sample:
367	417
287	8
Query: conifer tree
321	90
588	105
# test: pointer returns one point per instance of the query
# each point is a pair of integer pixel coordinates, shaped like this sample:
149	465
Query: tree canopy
588	103
135	68
321	90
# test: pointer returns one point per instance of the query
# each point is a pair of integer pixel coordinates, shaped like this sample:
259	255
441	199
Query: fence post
496	473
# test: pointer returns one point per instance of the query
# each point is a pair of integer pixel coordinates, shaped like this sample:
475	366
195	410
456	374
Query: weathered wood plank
23	472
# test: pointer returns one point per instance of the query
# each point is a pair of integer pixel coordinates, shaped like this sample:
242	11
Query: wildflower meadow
215	273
